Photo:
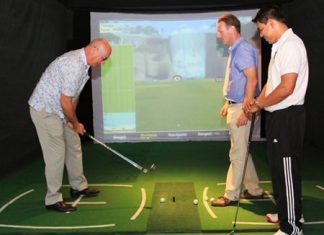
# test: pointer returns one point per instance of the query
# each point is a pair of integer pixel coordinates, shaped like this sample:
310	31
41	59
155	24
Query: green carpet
177	213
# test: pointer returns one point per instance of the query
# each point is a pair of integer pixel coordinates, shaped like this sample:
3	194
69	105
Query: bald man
53	112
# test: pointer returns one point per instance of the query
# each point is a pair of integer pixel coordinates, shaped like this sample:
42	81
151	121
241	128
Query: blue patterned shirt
66	75
244	55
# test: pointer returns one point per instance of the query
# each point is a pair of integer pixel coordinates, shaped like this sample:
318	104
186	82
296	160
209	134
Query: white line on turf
88	203
15	199
314	222
210	212
256	223
141	207
104	185
260	182
269	224
75	203
270	196
55	227
320	187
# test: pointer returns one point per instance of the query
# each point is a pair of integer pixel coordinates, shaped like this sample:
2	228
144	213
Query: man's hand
223	111
242	119
78	128
250	107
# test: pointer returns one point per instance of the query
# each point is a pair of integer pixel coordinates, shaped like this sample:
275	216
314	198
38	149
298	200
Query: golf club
144	170
244	170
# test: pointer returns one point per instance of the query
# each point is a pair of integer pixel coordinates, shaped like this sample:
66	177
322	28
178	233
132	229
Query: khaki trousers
237	155
60	146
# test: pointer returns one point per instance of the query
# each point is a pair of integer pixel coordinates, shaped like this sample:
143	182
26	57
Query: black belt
231	102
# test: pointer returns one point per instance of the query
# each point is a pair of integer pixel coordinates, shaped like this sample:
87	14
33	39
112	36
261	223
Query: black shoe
85	192
61	207
246	195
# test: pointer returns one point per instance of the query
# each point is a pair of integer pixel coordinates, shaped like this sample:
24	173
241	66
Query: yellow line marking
15	199
141	207
56	227
210	212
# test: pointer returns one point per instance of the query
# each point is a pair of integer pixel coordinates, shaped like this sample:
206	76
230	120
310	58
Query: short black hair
271	12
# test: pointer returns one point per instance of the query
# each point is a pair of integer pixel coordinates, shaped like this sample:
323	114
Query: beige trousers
60	146
237	155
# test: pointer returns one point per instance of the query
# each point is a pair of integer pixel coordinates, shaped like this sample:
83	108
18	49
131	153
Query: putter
144	170
244	170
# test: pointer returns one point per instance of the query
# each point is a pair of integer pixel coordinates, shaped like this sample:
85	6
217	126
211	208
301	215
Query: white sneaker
272	218
279	232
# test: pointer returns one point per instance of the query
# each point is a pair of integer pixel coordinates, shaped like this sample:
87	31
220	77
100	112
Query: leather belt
231	102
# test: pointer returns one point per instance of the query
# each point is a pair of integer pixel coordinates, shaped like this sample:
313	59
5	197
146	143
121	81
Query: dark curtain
32	34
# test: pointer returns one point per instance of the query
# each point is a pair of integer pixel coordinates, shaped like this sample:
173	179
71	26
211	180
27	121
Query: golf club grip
252	126
115	152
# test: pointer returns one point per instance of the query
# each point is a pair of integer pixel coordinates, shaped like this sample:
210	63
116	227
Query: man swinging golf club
53	112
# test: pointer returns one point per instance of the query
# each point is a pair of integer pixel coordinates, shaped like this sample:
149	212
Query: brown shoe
222	201
246	195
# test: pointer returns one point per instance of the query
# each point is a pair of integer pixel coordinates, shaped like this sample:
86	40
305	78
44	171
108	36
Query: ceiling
164	5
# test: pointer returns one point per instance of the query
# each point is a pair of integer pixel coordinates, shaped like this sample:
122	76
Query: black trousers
285	135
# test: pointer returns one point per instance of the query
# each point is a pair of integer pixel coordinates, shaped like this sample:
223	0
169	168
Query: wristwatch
257	104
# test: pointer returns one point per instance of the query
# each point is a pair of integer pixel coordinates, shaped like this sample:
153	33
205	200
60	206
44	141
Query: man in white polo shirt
283	99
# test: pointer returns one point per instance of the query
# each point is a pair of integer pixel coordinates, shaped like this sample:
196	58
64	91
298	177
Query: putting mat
177	212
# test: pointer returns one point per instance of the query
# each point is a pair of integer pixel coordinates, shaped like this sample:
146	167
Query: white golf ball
212	199
195	202
162	199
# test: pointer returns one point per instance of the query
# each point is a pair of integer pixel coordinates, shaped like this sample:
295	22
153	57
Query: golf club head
152	168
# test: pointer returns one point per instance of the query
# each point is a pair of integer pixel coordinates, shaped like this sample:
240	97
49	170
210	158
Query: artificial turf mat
177	213
204	163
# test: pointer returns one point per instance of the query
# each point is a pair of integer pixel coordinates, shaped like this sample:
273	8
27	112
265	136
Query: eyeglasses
103	58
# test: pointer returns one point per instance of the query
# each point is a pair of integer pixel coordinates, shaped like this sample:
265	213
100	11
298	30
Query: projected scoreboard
164	78
118	91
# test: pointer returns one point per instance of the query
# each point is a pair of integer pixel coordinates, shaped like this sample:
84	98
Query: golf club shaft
244	169
115	152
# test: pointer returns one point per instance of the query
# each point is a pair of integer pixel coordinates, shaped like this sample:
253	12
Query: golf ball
195	202
212	199
162	199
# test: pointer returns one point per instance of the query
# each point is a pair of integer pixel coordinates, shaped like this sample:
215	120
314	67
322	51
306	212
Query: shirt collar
235	44
283	38
84	58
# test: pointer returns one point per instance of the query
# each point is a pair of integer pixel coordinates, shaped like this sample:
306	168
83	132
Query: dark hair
270	12
231	20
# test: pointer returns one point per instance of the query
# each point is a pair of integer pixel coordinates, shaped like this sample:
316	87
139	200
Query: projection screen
164	79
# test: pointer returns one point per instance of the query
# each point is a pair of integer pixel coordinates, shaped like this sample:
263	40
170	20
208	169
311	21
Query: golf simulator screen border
164	79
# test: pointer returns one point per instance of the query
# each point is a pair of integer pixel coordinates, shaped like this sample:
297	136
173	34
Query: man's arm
281	92
251	82
69	108
250	87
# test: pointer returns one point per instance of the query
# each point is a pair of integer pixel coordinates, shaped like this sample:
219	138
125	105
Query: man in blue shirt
53	112
240	84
